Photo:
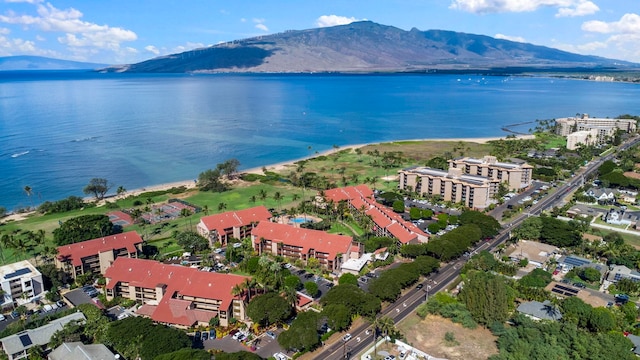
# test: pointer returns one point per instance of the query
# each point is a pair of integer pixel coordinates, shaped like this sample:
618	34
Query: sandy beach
190	184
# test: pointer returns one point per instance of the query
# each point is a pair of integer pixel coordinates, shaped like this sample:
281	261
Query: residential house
602	195
95	256
386	222
636	343
331	250
176	295
622	217
232	224
80	351
569	262
619	272
540	310
16	346
535	252
21	282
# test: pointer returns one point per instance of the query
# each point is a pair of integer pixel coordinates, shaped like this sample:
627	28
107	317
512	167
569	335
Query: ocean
59	129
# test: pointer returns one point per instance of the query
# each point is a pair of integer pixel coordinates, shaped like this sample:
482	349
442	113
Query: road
362	336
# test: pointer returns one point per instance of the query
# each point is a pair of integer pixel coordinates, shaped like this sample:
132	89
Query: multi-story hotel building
385	221
176	295
291	242
565	126
20	282
95	256
473	191
516	176
232	224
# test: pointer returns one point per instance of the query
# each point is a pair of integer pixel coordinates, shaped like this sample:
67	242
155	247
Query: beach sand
190	184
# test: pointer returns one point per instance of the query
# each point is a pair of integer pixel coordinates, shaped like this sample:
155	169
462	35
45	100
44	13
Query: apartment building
232	224
582	137
565	126
386	222
291	242
95	256
474	191
176	295
516	176
21	282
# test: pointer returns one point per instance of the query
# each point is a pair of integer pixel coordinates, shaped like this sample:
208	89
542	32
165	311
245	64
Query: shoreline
191	184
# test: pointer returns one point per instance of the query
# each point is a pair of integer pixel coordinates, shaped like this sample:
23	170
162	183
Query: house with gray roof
619	272
17	345
636	343
540	311
80	351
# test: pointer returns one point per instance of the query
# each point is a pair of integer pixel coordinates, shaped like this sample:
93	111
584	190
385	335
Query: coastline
191	184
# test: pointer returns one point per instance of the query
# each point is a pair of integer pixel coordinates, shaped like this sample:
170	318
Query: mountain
368	47
44	63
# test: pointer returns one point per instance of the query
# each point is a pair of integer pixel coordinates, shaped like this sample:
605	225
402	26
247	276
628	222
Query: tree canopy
138	336
82	228
269	308
98	187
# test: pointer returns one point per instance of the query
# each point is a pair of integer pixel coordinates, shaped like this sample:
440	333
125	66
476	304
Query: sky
129	31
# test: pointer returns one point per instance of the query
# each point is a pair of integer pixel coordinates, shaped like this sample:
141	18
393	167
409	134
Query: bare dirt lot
428	335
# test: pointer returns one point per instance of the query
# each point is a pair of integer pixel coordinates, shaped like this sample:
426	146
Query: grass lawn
628	238
339	228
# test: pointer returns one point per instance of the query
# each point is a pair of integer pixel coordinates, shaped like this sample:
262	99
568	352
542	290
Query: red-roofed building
386	222
331	250
176	295
95	256
236	224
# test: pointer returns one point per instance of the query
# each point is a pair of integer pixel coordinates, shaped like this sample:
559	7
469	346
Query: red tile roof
76	252
306	239
231	219
361	197
177	279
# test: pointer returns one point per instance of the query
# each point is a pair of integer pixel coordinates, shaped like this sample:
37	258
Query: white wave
19	154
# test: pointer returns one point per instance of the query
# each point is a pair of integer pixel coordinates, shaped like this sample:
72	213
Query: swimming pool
300	220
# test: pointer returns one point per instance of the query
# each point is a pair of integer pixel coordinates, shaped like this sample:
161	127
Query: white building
21	282
583	137
566	126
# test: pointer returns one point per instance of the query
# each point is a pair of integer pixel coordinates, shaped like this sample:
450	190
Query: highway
362	336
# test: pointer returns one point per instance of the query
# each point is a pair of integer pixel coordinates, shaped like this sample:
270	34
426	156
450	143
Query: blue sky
127	31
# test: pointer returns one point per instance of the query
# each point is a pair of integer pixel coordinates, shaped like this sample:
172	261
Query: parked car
346	337
279	356
212	334
2	318
205	335
61	303
47	308
271	334
420	286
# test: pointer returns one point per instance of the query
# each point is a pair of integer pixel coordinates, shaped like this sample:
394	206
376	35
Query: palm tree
292	296
237	289
278	198
253	199
386	326
222	206
263	195
205	209
121	190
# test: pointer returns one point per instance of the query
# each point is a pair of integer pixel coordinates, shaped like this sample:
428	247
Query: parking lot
324	285
265	346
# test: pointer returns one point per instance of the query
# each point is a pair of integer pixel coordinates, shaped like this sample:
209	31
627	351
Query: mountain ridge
368	47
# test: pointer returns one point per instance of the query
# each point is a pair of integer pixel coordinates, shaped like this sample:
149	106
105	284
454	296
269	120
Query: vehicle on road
346	337
420	286
2	318
271	334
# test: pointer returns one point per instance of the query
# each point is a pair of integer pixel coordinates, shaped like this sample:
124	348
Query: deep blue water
60	129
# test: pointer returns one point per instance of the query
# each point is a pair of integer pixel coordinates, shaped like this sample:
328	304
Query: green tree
192	241
98	187
268	308
303	333
311	288
487	297
209	180
590	274
398	206
82	228
293	282
192	354
348	278
338	316
537	278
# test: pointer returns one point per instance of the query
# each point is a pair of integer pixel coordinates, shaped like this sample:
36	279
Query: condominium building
291	242
583	137
473	191
95	256
232	224
516	176
21	282
386	222
176	295
566	126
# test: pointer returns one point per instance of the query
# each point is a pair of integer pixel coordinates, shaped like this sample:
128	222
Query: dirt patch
429	335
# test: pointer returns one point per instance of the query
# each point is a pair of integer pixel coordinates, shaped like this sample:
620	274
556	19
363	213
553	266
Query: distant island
367	47
14	63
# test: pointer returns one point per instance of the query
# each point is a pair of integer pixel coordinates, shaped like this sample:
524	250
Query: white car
346	337
2	318
279	356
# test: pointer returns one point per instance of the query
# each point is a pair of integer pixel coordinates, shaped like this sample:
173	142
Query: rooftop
17	270
39	336
80	351
238	218
542	311
76	252
306	239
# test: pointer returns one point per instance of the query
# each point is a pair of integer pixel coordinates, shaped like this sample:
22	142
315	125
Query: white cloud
333	20
260	24
182	48
628	24
152	49
24	1
4	31
76	32
581	9
510	38
566	7
243	20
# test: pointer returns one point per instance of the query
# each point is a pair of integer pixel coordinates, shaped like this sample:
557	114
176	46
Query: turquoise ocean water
60	129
